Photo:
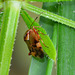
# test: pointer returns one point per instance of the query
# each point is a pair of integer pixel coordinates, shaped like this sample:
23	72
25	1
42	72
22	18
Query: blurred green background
20	60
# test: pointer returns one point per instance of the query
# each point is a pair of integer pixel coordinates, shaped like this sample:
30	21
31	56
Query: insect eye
40	47
36	41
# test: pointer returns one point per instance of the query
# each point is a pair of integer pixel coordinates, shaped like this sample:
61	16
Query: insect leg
35	20
40	32
43	43
26	37
29	53
37	26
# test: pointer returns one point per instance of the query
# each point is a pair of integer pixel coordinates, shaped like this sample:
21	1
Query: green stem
50	62
1	17
49	15
54	37
47	0
49	67
8	32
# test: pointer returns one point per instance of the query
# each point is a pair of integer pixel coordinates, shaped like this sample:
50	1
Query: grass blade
1	5
66	42
1	17
49	15
47	0
8	32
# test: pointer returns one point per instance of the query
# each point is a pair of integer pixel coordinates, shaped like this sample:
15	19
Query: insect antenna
35	20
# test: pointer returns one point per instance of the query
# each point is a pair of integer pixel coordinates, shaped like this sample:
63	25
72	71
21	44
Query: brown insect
32	39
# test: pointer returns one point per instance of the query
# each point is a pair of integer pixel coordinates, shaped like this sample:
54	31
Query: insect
32	39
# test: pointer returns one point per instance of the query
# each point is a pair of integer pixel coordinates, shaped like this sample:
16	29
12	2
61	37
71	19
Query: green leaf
50	51
0	0
1	17
66	41
8	32
49	15
1	5
46	0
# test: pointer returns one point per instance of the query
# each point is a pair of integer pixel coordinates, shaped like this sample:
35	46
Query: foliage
66	31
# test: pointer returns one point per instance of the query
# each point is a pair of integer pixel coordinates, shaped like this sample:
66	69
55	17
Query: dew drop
47	16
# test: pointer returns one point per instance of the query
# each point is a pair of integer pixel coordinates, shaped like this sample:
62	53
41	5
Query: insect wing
32	39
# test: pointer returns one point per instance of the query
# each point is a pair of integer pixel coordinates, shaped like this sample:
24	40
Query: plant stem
8	32
51	62
49	15
48	0
1	17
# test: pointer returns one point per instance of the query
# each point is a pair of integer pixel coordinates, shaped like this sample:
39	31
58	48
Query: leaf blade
51	52
1	16
49	15
66	42
46	0
7	36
